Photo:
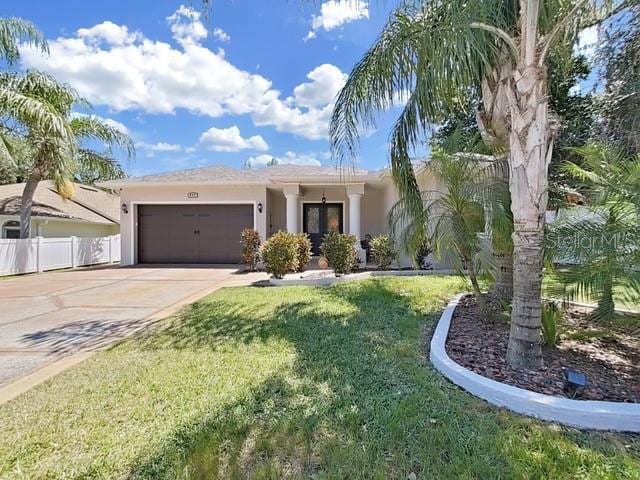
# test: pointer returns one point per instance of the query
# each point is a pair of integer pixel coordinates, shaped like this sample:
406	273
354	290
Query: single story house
91	212
196	215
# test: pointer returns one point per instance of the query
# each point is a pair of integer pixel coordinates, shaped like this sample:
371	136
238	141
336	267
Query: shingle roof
225	174
89	204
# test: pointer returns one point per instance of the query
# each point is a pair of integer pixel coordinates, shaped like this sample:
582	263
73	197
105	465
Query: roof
89	204
229	175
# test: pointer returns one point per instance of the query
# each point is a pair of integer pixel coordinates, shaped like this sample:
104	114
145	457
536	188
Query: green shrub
280	254
383	251
551	316
421	256
304	250
250	241
340	251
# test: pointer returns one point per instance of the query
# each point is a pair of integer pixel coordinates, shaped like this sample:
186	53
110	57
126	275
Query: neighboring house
196	216
91	212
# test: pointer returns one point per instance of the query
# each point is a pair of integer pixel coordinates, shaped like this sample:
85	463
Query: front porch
317	209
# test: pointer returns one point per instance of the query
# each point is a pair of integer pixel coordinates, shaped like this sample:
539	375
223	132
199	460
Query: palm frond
13	32
94	128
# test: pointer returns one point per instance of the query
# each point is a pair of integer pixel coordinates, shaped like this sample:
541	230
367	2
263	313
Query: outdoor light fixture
125	210
324	199
260	207
574	382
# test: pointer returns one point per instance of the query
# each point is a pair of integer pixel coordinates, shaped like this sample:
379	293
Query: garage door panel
192	233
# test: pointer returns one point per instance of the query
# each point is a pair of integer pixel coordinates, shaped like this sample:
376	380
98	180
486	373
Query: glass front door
320	219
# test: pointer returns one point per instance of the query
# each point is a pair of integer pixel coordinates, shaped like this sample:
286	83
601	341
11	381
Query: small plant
280	254
304	250
421	256
551	316
383	251
340	251
250	241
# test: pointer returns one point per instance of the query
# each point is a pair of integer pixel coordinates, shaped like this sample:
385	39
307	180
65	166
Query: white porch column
355	192
292	193
354	214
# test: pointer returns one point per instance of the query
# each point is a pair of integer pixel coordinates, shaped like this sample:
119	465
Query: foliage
383	251
225	389
280	253
304	251
340	251
619	57
15	31
551	316
420	258
250	241
605	243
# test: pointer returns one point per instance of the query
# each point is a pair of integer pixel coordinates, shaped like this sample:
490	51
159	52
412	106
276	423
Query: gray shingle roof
225	174
89	204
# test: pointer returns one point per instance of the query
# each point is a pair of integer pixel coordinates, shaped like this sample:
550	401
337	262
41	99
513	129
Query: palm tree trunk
503	285
606	306
483	310
26	204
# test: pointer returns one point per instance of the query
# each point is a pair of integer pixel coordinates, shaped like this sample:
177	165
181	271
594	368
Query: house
196	215
91	212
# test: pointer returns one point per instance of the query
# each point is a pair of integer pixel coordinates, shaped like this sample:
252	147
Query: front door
319	219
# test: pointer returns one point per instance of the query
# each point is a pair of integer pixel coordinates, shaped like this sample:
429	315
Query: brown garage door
191	233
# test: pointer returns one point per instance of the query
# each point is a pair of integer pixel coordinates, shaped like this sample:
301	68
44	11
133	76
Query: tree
59	142
14	31
437	53
457	217
605	245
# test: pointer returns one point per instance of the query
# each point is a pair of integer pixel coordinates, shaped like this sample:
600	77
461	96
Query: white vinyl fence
41	254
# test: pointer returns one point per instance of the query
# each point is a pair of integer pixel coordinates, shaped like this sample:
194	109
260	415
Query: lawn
289	382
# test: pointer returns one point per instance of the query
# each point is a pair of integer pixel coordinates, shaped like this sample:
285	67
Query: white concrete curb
596	415
330	278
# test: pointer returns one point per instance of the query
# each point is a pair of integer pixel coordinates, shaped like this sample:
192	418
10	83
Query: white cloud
111	66
221	35
336	13
287	158
186	26
230	140
159	147
326	82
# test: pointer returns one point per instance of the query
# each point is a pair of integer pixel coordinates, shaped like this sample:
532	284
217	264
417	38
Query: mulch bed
607	355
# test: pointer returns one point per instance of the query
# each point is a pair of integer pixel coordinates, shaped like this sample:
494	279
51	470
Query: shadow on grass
358	401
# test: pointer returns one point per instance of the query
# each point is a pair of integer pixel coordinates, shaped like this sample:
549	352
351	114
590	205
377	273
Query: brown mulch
608	355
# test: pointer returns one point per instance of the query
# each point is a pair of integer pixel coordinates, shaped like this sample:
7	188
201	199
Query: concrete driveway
49	316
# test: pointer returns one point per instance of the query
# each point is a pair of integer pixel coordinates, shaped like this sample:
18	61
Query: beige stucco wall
158	194
53	228
276	212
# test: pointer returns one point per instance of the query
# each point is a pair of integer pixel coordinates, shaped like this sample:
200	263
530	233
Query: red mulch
609	357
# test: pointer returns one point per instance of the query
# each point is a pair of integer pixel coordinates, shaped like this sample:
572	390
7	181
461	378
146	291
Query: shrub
250	241
551	315
421	257
383	251
304	250
340	251
280	254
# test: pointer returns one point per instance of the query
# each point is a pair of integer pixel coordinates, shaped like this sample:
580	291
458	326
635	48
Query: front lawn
289	382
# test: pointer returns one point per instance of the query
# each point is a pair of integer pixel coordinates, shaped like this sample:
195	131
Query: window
11	229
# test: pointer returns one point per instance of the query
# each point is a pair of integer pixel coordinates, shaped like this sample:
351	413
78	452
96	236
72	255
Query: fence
41	254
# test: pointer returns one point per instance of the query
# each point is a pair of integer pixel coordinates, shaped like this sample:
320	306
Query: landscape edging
589	414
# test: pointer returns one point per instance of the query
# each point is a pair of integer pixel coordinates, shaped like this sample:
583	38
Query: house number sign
192	195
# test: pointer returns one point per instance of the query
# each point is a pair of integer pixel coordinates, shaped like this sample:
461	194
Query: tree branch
508	39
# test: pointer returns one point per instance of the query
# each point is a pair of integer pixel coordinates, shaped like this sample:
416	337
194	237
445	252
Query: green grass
289	382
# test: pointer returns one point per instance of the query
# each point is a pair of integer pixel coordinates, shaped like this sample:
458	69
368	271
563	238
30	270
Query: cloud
336	13
587	41
326	82
125	71
287	158
230	140
221	35
159	147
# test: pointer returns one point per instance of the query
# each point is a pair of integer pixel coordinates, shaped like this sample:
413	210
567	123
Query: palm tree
436	53
14	31
605	245
59	141
457	220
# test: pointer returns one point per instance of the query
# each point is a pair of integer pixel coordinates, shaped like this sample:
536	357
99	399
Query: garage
192	233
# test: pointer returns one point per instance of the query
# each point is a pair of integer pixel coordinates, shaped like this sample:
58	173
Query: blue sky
254	80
